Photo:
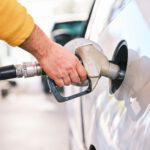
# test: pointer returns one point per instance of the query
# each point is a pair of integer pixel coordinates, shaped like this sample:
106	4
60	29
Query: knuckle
70	69
74	62
83	76
67	81
59	83
53	75
75	78
77	62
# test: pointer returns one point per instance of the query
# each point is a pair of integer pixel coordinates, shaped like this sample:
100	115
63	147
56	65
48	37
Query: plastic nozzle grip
54	89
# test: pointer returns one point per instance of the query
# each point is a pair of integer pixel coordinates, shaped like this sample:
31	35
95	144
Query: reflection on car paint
136	85
124	124
122	120
113	120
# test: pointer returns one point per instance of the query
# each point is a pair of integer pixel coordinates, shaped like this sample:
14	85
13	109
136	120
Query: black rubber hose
7	72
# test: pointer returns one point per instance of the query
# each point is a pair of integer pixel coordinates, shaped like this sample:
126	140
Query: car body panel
74	110
120	121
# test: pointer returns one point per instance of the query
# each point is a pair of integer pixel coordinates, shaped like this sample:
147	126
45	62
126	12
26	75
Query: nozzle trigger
54	89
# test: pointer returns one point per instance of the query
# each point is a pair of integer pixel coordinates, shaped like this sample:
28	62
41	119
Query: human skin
58	62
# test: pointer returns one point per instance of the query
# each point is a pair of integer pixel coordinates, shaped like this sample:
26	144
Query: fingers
76	75
73	77
81	72
63	79
67	80
59	82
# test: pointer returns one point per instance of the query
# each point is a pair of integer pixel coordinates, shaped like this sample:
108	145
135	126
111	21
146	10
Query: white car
116	115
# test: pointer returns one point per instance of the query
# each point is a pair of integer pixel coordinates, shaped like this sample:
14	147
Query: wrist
37	43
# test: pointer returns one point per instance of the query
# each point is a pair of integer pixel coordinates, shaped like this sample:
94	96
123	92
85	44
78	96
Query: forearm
37	43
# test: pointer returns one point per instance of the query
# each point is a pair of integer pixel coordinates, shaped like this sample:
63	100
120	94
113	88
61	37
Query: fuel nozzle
97	64
94	61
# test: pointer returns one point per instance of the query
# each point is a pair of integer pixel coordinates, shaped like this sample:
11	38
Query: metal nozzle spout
97	64
121	75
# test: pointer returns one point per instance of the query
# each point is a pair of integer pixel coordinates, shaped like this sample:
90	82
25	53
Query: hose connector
28	69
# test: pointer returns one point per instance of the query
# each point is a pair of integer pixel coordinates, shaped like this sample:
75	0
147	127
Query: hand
62	66
58	62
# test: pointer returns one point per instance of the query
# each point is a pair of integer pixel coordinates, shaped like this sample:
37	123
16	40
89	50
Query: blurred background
30	118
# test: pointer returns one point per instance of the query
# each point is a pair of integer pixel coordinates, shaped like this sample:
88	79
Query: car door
117	117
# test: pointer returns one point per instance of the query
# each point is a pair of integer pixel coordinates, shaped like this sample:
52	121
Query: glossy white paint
121	121
74	119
